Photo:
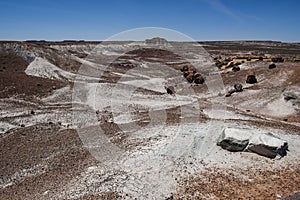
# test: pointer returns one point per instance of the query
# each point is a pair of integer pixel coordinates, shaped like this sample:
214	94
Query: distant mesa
156	41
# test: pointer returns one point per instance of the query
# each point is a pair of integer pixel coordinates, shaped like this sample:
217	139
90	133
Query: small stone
185	68
227	94
198	78
185	74
238	87
170	90
236	68
190	77
272	66
250	78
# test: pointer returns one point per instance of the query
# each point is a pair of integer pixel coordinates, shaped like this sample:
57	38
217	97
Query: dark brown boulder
236	68
185	74
198	78
184	68
277	59
272	66
230	92
238	87
193	69
190	77
250	77
170	90
196	75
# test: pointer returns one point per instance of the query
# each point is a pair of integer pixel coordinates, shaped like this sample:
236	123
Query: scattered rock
170	197
272	66
197	74
277	59
198	78
236	68
289	97
292	93
238	87
296	59
170	90
230	92
32	112
185	68
194	76
234	63
231	140
190	77
193	69
250	77
250	140
185	74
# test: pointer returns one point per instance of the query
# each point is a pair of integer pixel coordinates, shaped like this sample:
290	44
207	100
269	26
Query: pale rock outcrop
252	140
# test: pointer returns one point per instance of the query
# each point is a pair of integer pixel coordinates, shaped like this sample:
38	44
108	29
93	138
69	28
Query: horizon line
98	41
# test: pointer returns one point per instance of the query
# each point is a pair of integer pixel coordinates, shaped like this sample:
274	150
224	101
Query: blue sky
200	19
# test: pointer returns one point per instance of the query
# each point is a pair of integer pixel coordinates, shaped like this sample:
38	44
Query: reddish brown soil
220	184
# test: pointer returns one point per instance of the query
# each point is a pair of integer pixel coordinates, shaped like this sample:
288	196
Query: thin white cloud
220	7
